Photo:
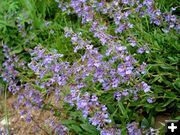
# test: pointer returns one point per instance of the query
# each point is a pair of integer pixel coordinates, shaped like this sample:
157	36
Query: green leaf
37	87
123	131
57	113
170	94
173	60
90	129
160	108
76	128
111	108
145	123
3	23
68	122
47	76
30	6
178	105
177	118
168	83
18	49
123	110
152	121
176	84
168	102
167	67
155	79
42	7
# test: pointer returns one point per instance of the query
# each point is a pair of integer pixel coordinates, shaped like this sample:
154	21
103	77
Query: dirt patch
17	124
160	120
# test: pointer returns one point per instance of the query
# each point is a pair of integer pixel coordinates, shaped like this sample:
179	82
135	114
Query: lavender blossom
133	129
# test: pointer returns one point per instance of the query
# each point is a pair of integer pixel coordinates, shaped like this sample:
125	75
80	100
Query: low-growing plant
110	66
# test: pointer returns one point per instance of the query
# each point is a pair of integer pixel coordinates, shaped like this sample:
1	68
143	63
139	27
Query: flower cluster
52	74
61	74
121	11
133	129
103	71
10	73
29	97
4	131
44	63
90	107
57	127
111	131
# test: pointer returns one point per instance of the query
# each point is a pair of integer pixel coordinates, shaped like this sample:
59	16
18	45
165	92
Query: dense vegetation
100	67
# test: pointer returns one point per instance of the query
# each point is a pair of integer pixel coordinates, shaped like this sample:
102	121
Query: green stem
6	111
6	24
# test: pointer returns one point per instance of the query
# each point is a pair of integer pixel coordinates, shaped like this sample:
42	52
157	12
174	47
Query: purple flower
141	50
132	41
82	104
135	98
99	119
148	2
20	98
125	1
57	127
110	131
126	14
118	96
150	100
121	70
106	84
145	87
133	129
125	93
115	82
28	118
94	98
120	28
117	18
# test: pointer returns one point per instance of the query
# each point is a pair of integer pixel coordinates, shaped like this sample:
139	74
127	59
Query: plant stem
6	111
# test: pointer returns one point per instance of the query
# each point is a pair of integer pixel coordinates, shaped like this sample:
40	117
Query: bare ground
17	124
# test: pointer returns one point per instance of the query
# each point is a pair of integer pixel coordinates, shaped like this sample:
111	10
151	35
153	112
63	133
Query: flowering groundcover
110	66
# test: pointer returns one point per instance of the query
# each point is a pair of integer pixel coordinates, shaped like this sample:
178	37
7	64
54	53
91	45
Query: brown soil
18	125
160	120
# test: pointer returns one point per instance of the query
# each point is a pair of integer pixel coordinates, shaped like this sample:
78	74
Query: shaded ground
18	125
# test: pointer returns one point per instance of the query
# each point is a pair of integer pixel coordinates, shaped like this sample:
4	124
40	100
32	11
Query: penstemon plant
103	89
62	73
